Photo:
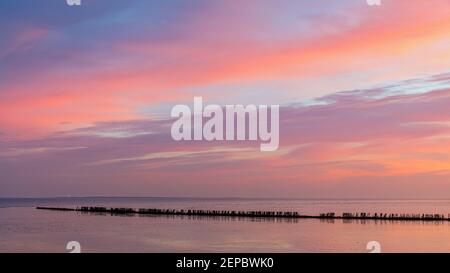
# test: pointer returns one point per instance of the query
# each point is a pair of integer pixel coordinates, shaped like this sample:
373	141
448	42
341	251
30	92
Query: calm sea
25	229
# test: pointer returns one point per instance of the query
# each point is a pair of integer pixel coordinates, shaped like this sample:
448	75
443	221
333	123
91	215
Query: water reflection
25	229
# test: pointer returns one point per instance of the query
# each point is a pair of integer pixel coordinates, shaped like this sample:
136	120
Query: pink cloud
355	137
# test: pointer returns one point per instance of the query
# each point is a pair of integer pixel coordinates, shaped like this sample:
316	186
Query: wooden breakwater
256	214
188	212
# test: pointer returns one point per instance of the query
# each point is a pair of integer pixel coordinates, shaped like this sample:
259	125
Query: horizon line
227	197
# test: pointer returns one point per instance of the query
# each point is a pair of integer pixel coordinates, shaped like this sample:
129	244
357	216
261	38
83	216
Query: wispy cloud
357	135
85	96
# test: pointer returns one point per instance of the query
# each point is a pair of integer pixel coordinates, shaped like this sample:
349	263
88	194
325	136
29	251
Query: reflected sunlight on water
25	229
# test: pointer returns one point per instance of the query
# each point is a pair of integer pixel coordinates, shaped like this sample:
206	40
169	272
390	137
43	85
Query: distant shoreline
223	198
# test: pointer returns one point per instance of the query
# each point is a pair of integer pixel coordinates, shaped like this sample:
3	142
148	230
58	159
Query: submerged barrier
261	214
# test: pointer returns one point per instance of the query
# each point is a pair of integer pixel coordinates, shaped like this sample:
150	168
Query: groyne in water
256	214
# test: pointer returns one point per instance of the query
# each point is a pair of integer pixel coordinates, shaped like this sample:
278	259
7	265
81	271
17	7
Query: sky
86	93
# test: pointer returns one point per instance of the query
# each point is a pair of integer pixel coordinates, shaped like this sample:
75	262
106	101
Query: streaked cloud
85	96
